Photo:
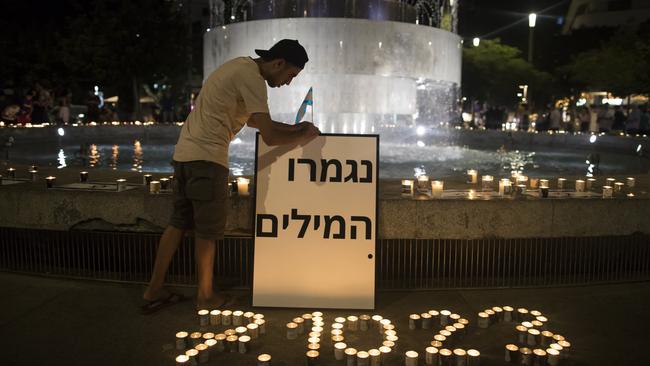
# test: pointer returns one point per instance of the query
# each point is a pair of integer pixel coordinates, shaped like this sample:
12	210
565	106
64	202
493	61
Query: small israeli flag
303	107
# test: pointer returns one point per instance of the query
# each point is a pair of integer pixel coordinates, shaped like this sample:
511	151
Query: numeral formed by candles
326	222
337	175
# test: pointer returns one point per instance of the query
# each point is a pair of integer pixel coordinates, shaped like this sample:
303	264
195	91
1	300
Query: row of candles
240	185
521	183
198	346
250	326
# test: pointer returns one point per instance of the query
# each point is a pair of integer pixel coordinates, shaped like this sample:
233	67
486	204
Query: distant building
606	13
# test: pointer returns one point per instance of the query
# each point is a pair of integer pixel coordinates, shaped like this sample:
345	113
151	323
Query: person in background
633	123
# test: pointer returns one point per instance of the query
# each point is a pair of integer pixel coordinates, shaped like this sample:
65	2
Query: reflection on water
112	163
94	156
137	157
61	159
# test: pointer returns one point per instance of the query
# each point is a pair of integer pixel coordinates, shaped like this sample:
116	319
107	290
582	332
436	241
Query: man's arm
276	133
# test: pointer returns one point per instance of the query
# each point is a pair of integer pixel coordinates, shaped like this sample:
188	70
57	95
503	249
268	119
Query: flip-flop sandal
155	305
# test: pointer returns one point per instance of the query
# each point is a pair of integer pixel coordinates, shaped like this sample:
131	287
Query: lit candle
261	323
511	353
543	191
631	182
191	354
292	330
308	320
181	340
590	183
382	324
253	330
215	317
461	356
363	358
483	320
313	340
312	358
534	182
460	328
33	175
49	181
560	183
472	176
473	357
445	356
353	323
221	342
204	355
248	317
182	360
491	315
204	317
264	360
471	194
539	356
385	351
444	316
546	338
146	179
244	341
502	186
11	173
610	181
211	343
522	333
195	338
231	341
389	344
237	317
426	320
164	183
436	344
339	351
565	346
486	182
414	321
351	356
522	314
607	192
423	184
407	187
437	188
553	356
580	185
120	184
533	337
630	195
618	187
411	358
431	356
507	313
522	179
207	336
242	186
241	331
337	339
375	357
154	187
525	355
364	321
543	183
226	315
439	338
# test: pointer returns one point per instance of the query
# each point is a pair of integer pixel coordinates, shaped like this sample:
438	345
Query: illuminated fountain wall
368	76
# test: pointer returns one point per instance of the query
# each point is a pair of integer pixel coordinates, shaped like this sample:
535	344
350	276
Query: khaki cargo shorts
200	198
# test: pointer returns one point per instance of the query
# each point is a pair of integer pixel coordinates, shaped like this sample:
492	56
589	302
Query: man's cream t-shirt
230	95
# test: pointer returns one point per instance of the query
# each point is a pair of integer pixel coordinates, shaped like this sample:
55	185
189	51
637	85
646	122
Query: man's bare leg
204	253
169	243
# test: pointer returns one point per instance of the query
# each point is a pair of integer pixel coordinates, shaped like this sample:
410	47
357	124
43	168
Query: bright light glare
237	141
420	144
60	131
532	18
593	138
476	41
420	130
638	148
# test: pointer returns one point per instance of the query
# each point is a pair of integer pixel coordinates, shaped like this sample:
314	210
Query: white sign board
316	223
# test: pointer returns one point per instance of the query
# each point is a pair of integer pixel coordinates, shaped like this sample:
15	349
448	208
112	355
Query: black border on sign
254	211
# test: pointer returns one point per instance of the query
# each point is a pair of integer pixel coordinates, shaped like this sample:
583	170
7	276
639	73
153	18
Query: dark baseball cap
288	49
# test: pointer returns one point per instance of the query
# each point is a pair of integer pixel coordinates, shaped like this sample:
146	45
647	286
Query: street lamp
476	41
532	18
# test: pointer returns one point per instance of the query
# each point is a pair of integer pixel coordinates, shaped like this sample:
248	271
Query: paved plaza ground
48	321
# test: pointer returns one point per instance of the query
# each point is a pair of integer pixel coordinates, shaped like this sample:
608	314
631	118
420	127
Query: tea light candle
439	338
486	182
181	340
539	357
461	356
444	317
407	187
423	184
154	187
522	333
363	358
146	179
473	357
437	188
414	321
204	317
207	336
204	355
546	338
261	324
522	314
607	192
242	186
191	354
472	176
560	183
364	321
182	360
121	184
337	339
353	323
589	184
483	320
426	320
339	350
351	356
215	317
434	313
11	173
460	328
221	342
195	338
292	330
618	187
312	358
446	356
237	317
253	330
553	356
240	331
631	182
264	360
243	343
411	358
512	352
525	355
389	344
431	356
375	357
231	342
385	351
533	337
580	185
49	181
226	315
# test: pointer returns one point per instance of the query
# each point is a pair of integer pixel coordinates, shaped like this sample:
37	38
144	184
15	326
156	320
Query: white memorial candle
426	320
237	317
580	185
533	337
191	354
446	356
423	184
483	320
181	340
472	176
525	356
375	357
226	317
607	192
351	356
511	353
437	188
253	330
301	324
195	338
414	321
353	323
248	317
385	351
364	321
242	186
215	317
221	342
204	317
339	351
631	182
590	183
461	357
363	358
292	330
204	355
264	360
231	342
261	324
312	358
182	360
407	187
561	183
243	345
473	357
411	358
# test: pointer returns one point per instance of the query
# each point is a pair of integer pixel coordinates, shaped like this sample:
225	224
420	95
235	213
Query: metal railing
400	263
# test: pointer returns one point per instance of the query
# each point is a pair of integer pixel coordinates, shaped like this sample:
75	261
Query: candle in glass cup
204	355
607	191
511	353
522	179
461	356
264	360
534	182
543	183
83	177
431	356
49	181
473	357
631	182
181	340
423	184
351	356
226	315
411	358
154	187
502	186
339	351
618	187
243	186
164	183
543	191
11	173
146	179
446	356
486	182
182	360
375	357
589	184
292	330
553	356
253	330
437	188
580	185
610	181
121	184
204	317
407	187
243	343
362	358
561	183
472	176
